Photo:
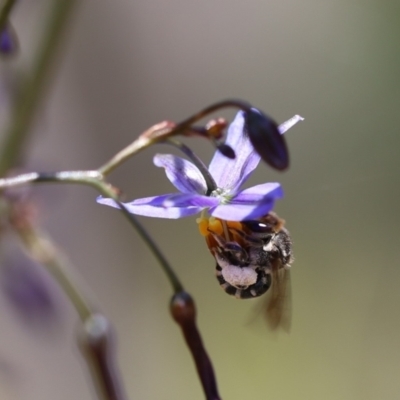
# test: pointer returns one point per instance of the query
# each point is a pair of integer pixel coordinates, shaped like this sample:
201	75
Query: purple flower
26	288
226	200
8	41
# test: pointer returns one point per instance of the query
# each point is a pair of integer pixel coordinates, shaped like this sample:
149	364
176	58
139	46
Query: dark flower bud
182	308
266	139
8	41
226	150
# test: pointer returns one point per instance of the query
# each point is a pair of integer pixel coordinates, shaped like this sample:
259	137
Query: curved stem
183	311
165	130
97	342
240	104
96	180
151	244
152	135
28	101
5	12
41	249
124	154
82	177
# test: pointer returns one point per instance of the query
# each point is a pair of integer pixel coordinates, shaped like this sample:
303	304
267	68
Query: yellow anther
203	226
215	226
207	225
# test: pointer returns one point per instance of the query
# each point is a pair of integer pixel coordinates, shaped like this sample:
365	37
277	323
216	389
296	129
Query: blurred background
127	65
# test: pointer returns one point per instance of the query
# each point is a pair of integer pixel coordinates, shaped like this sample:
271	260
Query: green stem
151	244
45	252
5	12
97	343
82	177
138	145
185	124
96	180
29	98
161	132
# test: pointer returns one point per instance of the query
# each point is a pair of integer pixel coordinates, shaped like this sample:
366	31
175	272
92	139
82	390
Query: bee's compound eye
258	227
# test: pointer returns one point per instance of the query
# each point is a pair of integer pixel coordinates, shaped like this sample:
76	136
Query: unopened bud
266	139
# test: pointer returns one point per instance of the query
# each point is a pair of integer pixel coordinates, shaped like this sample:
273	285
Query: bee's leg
283	248
233	248
219	239
255	241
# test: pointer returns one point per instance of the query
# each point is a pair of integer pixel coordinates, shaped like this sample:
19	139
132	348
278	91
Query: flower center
223	195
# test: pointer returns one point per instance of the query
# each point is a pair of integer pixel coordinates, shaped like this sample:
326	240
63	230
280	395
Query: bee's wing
279	301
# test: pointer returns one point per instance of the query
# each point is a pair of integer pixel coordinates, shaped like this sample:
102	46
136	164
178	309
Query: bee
252	257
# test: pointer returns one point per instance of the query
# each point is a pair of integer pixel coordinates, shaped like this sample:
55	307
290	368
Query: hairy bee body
249	254
274	254
256	289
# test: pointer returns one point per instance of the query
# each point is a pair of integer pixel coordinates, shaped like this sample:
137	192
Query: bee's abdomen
262	284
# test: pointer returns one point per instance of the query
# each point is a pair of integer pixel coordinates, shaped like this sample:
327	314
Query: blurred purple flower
8	41
27	290
226	201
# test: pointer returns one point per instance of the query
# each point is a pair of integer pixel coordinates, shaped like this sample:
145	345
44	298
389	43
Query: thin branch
164	130
96	341
42	249
96	180
5	12
97	344
29	98
240	104
183	311
81	177
151	244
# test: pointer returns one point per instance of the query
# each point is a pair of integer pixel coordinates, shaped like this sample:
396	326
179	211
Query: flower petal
228	173
250	203
189	199
153	207
242	212
285	126
184	175
258	193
